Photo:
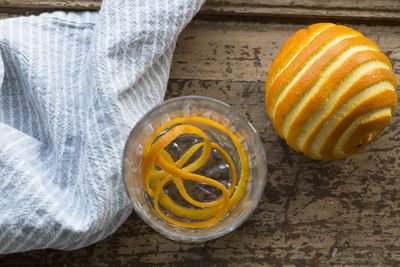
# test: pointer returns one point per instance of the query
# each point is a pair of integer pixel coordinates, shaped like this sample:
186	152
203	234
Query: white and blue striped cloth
72	87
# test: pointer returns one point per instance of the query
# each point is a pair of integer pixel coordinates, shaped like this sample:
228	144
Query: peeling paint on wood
243	51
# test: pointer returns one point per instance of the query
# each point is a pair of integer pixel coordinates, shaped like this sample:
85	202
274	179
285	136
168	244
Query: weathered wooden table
312	213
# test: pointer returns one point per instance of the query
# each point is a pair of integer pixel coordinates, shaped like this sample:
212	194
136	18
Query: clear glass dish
216	167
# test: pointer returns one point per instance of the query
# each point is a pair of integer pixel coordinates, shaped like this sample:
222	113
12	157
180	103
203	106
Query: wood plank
7	15
318	12
230	50
343	4
52	4
386	10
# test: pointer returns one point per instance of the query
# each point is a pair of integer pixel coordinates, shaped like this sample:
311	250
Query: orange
330	91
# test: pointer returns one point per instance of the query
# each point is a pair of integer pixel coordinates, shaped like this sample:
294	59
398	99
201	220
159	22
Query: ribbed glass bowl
221	113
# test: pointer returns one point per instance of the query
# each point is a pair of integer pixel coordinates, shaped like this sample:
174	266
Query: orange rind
158	168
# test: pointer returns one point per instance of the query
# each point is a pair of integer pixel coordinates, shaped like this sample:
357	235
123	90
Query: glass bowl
221	113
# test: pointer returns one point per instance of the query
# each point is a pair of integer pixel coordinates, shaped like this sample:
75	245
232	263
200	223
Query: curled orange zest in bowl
154	154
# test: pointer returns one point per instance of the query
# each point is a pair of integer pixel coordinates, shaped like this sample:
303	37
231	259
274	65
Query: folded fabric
72	87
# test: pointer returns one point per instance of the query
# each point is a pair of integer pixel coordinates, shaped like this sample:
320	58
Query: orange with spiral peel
330	91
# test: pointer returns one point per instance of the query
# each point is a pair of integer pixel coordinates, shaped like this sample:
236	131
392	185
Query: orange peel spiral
203	214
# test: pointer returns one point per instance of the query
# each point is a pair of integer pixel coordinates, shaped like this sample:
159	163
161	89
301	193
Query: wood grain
367	10
56	4
342	9
391	5
312	213
231	50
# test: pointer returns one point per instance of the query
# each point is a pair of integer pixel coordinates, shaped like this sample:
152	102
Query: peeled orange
330	91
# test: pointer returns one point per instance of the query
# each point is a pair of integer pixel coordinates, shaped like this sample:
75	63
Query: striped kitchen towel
72	87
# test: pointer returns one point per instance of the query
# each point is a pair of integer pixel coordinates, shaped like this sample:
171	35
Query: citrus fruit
330	91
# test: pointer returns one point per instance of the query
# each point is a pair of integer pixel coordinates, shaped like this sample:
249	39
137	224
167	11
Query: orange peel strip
154	180
179	184
150	154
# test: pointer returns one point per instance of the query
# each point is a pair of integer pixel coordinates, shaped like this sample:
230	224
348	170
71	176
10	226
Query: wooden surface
364	10
312	213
